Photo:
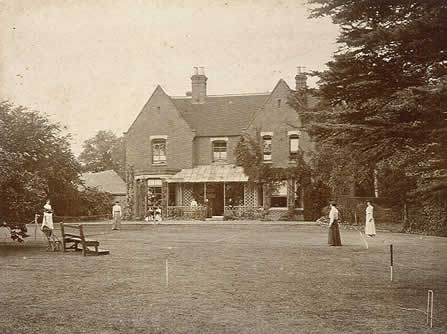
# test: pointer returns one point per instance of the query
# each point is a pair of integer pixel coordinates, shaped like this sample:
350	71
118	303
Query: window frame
214	144
267	137
277	196
294	153
154	188
159	141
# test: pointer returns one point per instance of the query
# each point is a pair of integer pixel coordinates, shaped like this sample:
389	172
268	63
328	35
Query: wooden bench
71	241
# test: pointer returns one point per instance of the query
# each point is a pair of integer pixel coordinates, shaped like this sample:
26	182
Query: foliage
317	196
429	214
92	202
36	162
386	88
383	97
104	151
249	156
130	187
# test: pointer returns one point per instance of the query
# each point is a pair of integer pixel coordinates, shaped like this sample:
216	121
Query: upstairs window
219	150
294	145
267	147
159	151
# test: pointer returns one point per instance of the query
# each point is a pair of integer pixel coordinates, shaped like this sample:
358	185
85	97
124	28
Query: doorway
215	196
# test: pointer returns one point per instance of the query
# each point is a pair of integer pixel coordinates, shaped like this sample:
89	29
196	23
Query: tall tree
35	162
103	151
384	93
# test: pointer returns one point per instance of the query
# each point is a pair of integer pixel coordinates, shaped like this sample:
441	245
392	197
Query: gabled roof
107	181
158	90
224	115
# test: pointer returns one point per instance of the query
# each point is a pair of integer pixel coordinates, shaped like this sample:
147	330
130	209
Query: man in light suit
116	214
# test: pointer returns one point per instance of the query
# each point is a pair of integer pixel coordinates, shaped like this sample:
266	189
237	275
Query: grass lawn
225	279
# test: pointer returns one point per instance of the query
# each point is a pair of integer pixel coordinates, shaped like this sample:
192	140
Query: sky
92	64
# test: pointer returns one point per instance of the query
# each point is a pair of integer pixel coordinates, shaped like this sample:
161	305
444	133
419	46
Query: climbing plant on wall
249	156
130	183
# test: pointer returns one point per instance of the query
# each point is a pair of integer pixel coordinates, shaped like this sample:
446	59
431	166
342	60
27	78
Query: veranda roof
211	173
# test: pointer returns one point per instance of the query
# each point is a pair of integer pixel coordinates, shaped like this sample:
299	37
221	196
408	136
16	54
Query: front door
215	196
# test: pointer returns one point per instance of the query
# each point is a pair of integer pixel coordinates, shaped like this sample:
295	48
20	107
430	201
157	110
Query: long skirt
47	220
370	227
116	221
334	238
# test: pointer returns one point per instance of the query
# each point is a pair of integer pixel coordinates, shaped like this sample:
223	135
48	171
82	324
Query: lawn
225	279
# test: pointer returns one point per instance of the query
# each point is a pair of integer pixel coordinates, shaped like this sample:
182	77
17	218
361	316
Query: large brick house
182	148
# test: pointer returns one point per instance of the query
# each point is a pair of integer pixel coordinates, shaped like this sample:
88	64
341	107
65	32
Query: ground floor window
234	194
278	198
172	191
154	193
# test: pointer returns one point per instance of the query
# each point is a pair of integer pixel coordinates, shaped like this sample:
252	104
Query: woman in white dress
370	227
47	221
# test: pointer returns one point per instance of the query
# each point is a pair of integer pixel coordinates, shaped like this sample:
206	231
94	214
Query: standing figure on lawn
370	226
117	213
334	238
47	221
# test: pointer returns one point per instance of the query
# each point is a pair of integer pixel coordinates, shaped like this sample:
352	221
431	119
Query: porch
216	191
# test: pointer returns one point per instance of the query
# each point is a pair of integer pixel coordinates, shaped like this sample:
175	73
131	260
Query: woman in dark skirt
334	238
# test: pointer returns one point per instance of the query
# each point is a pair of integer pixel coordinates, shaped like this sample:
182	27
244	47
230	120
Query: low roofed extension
107	181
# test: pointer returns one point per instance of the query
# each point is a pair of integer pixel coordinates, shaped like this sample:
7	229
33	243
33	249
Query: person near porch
194	208
334	238
116	213
209	212
157	215
149	214
370	226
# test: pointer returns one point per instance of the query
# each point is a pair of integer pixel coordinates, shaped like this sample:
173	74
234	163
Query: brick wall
203	154
159	117
278	117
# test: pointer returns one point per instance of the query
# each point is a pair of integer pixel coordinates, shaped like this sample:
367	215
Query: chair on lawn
76	237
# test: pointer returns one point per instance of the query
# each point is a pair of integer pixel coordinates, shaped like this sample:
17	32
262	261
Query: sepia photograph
223	166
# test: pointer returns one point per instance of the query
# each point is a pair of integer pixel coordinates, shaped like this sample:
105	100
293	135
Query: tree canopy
104	151
36	163
384	94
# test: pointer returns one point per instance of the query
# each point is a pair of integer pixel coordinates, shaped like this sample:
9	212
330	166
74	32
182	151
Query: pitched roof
224	115
108	181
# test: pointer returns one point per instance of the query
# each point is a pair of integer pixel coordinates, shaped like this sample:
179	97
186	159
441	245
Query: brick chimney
198	81
300	78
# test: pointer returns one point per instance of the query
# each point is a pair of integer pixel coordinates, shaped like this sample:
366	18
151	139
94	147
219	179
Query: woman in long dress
47	221
370	227
334	238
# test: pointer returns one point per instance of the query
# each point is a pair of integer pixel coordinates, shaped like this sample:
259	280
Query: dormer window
267	147
219	150
159	151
